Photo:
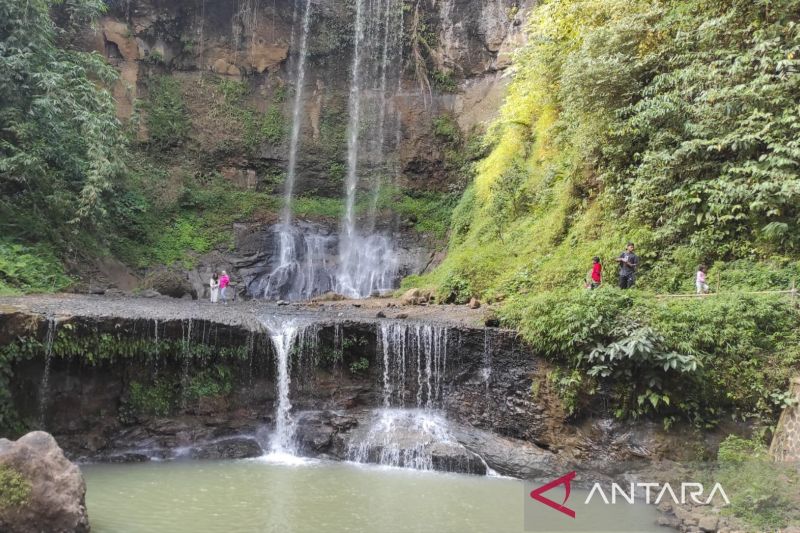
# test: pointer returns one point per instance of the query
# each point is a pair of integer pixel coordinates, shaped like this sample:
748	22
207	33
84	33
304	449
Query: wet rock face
403	392
54	499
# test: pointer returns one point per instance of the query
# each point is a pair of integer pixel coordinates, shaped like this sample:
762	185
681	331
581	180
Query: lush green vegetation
167	116
762	493
159	228
673	124
60	141
30	269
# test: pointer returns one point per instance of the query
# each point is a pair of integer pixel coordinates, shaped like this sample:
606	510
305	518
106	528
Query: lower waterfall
409	431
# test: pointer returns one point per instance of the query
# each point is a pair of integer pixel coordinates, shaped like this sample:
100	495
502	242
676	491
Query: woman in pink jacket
224	281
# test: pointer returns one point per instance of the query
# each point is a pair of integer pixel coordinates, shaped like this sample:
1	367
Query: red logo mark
536	494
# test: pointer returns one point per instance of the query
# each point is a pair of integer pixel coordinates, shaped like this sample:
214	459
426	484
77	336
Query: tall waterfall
359	261
288	270
367	261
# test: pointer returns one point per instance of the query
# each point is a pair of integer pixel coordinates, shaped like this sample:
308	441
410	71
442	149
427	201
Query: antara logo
536	494
694	491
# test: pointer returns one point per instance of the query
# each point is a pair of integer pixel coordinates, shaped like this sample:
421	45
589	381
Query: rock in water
49	491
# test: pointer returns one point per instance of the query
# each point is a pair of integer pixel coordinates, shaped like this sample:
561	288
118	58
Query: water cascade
288	278
186	345
48	355
359	261
367	261
290	338
414	360
408	431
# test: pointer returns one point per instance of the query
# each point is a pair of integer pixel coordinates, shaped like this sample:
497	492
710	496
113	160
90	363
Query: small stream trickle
44	391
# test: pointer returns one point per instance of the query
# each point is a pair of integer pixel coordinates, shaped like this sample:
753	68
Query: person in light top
214	285
700	280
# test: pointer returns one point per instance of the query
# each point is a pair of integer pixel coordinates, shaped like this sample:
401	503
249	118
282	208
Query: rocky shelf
244	314
134	379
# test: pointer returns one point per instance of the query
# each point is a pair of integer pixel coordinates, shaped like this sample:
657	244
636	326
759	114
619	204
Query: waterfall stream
359	261
288	269
48	355
284	334
367	260
408	431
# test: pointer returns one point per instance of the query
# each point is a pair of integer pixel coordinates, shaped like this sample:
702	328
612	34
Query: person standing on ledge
700	280
629	262
214	284
596	275
224	280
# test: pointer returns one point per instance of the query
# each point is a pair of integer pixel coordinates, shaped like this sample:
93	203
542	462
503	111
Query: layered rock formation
127	381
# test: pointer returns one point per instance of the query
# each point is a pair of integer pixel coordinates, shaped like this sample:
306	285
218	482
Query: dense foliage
762	492
672	123
59	137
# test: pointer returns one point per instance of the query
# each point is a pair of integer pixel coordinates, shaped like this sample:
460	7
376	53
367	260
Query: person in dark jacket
629	263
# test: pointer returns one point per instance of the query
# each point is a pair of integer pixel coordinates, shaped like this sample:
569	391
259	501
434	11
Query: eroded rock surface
55	500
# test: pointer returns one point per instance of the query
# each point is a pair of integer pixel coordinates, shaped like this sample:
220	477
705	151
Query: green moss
157	399
318	207
14	488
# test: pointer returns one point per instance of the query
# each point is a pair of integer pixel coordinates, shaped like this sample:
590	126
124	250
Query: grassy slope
546	200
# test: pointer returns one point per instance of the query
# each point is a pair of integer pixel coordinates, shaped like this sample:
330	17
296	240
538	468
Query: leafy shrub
446	128
762	493
30	269
668	357
215	381
360	366
154	399
167	116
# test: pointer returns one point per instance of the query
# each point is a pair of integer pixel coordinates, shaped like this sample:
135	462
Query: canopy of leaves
59	136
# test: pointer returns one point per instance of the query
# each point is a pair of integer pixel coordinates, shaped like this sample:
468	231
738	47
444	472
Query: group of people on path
629	264
219	287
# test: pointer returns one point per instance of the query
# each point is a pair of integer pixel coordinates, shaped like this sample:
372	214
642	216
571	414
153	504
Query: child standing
597	273
700	280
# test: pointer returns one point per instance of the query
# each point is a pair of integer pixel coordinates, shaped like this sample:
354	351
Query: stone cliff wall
233	63
131	389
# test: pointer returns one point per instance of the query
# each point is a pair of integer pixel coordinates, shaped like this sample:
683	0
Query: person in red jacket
597	273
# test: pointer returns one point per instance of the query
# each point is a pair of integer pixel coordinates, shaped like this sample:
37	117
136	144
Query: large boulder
40	490
170	283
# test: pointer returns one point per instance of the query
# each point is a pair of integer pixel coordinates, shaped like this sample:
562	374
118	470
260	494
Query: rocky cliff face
461	398
233	65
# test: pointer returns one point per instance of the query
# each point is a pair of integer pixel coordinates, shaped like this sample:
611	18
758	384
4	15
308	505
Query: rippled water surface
263	496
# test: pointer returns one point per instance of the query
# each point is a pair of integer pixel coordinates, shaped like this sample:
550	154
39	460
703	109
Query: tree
60	140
